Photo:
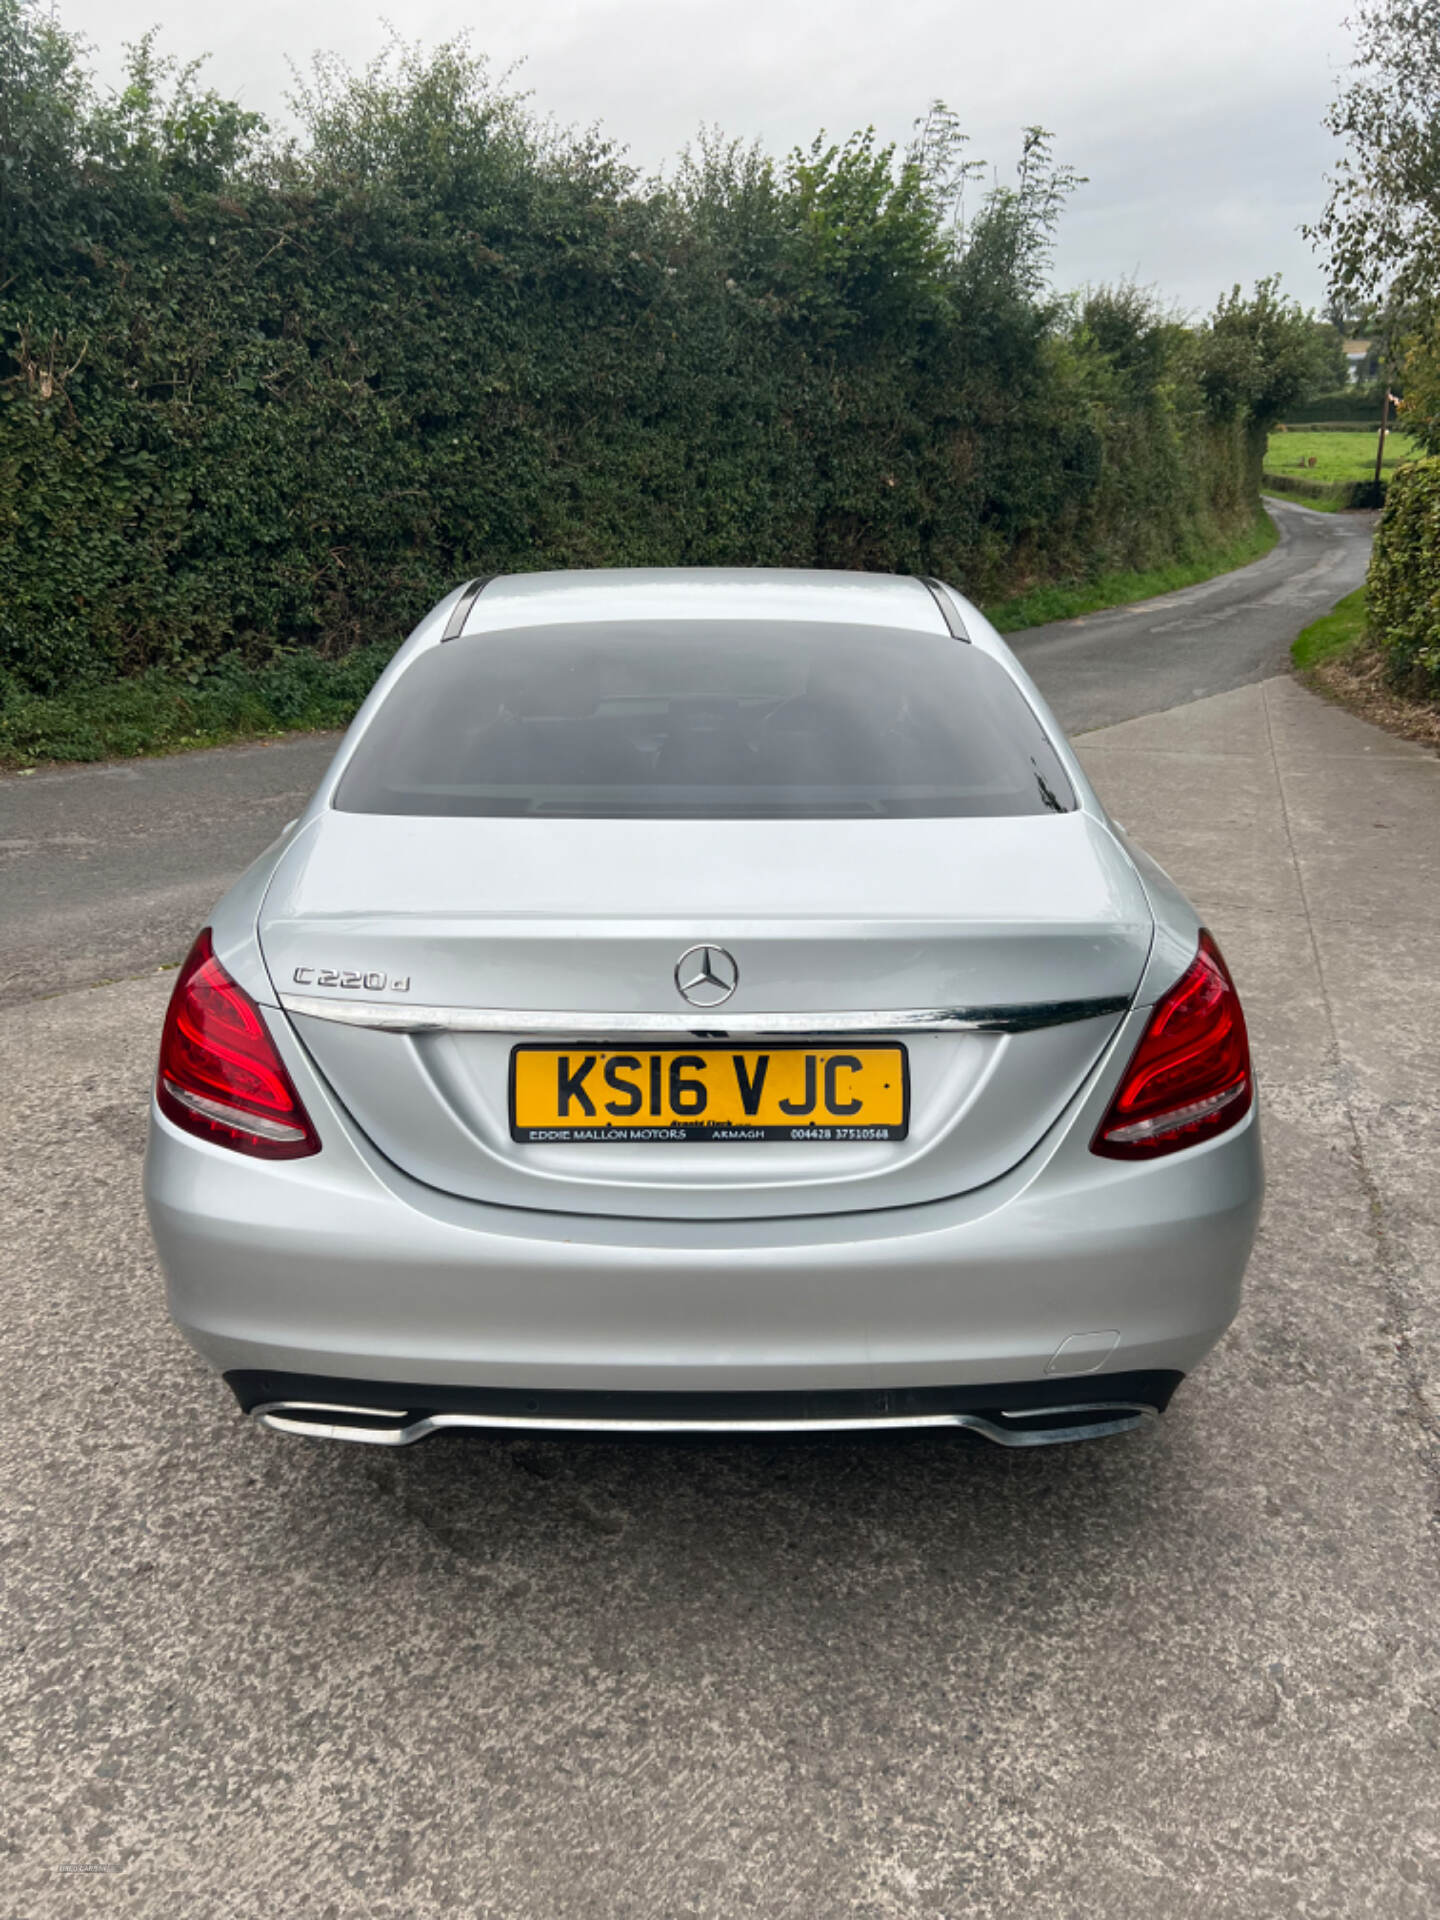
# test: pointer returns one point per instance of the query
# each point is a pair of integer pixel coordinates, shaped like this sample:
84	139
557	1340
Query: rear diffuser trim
389	1413
320	1420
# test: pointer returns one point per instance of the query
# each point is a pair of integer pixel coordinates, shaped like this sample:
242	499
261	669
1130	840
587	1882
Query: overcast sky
1197	121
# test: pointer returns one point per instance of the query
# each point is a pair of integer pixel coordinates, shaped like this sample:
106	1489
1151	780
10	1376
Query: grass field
1337	456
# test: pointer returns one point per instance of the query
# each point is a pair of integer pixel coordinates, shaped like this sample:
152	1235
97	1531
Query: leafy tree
1136	339
1257	354
44	94
866	252
1014	233
166	132
947	170
1381	224
1329	366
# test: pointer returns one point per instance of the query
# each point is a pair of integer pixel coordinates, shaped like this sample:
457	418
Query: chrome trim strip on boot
391	1017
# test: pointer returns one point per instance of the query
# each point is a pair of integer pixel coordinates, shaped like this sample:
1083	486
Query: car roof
704	593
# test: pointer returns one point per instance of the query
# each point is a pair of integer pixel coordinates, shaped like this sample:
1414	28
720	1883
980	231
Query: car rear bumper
340	1267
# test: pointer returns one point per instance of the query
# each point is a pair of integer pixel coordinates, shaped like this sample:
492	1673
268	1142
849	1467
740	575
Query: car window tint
705	720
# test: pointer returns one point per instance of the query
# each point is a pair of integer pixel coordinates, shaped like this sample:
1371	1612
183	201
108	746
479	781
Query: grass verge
297	692
1338	633
1335	657
1043	604
169	712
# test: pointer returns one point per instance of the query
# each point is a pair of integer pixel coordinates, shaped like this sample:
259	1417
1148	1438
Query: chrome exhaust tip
397	1427
375	1426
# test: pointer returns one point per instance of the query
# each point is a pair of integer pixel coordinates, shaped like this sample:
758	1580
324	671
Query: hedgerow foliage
1404	580
261	394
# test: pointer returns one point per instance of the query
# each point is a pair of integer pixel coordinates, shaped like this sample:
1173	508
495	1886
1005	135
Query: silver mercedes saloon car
704	1001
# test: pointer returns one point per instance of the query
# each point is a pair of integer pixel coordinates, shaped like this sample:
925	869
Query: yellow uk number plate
573	1094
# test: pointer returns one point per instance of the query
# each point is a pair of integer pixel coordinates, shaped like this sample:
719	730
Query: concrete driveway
1194	1674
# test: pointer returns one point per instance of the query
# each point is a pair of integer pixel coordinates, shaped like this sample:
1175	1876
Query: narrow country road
106	872
1227	632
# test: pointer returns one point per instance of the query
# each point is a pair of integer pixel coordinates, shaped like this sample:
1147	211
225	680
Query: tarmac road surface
1227	632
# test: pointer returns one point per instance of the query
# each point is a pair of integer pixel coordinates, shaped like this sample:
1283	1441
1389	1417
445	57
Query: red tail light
1190	1076
220	1076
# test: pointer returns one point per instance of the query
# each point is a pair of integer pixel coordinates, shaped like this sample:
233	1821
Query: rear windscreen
705	720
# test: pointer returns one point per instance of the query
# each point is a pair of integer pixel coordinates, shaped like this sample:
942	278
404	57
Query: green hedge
1339	493
1404	580
261	396
1359	406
